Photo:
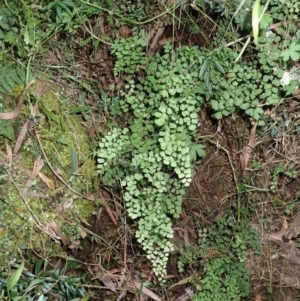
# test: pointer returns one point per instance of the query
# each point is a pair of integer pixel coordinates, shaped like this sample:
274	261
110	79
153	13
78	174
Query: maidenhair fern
151	156
223	276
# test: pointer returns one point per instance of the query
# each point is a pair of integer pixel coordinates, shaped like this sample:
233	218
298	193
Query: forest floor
74	72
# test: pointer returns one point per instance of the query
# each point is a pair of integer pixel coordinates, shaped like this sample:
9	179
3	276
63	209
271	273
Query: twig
36	220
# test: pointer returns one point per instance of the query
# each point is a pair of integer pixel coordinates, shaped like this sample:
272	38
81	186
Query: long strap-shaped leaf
255	24
14	278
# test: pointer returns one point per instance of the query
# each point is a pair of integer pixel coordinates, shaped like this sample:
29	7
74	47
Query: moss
19	228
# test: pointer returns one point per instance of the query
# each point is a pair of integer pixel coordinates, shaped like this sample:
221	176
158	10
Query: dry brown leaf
181	282
125	31
13	114
9	153
293	229
37	166
63	207
245	155
146	291
155	40
74	244
21	137
112	216
108	282
257	297
47	181
82	233
36	194
288	296
285	224
53	226
186	296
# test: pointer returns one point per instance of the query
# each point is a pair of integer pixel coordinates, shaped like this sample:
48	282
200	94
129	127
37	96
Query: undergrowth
220	258
42	284
149	155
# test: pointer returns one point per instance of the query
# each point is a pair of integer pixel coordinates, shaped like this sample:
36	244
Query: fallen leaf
181	282
13	114
53	226
37	166
82	233
146	291
74	244
36	194
47	181
21	137
9	153
257	297
186	296
245	155
288	296
63	207
108	283
285	224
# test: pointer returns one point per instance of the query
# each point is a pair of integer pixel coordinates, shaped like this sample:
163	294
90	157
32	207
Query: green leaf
74	160
172	91
203	69
48	113
290	88
80	109
38	266
218	115
33	283
18	298
6	129
265	21
62	141
245	106
255	19
48	6
14	278
219	67
197	151
292	52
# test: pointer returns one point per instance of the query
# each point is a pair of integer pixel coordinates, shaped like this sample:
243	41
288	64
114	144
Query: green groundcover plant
152	155
221	259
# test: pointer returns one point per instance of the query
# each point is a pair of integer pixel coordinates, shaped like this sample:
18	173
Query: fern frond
11	75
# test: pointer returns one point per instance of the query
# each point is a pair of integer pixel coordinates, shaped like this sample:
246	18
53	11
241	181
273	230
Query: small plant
6	129
60	9
151	157
257	166
130	53
40	285
291	206
282	169
10	77
221	253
